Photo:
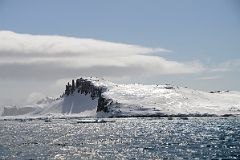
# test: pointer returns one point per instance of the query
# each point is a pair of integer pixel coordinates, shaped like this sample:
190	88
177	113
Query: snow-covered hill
99	97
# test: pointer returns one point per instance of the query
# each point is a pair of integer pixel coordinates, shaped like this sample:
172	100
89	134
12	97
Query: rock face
93	96
120	100
103	104
83	86
86	87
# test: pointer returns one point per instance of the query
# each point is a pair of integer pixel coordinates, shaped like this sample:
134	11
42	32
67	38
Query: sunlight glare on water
125	138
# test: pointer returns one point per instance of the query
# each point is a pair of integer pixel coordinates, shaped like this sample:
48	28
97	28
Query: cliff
86	87
121	100
92	96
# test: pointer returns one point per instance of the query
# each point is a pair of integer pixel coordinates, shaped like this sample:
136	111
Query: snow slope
155	99
75	105
141	100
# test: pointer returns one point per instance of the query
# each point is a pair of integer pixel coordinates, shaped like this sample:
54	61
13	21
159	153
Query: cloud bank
43	56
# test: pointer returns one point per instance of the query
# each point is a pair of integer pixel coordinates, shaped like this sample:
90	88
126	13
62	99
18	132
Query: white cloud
39	52
43	45
227	66
209	78
220	69
231	64
35	97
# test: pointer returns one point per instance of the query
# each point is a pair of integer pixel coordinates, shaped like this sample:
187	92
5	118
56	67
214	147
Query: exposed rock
84	86
103	104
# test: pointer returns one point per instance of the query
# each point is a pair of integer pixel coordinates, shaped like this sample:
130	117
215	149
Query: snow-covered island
96	97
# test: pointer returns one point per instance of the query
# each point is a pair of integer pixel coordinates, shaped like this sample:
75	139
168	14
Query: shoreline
169	117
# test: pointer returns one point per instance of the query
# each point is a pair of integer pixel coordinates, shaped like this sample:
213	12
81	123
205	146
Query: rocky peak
87	87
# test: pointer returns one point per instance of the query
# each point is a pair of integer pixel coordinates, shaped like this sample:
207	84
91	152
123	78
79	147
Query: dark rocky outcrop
103	104
86	87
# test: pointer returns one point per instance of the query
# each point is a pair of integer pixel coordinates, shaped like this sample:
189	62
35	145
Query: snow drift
98	97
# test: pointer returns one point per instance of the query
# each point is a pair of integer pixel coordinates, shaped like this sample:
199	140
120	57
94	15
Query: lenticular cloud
53	52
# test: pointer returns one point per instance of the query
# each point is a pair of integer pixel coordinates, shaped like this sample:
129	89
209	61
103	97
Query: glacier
97	97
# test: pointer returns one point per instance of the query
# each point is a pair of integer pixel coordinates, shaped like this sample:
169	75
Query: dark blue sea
122	138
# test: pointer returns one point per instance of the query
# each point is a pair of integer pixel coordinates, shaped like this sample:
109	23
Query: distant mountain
92	96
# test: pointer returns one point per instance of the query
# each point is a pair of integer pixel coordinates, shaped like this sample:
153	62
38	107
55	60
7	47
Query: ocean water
123	138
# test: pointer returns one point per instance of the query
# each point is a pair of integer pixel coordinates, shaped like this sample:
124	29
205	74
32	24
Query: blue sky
192	29
204	31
